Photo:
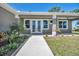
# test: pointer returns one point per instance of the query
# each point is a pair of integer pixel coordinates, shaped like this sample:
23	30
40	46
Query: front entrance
36	26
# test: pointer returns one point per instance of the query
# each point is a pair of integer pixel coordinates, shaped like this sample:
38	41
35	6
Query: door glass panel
27	23
33	26
39	26
64	24
60	24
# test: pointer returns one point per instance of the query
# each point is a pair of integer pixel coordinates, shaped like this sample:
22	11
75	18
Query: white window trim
48	24
25	26
36	19
63	20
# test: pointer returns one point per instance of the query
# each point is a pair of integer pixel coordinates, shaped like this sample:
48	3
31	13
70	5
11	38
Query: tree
55	9
75	10
62	11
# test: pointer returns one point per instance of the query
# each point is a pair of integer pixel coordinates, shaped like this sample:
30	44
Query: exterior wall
49	31
6	19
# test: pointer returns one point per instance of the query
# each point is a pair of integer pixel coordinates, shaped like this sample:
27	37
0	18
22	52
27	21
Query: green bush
2	51
7	48
12	46
14	40
12	36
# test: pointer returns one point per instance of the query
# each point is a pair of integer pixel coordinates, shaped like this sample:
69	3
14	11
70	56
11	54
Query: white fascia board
48	13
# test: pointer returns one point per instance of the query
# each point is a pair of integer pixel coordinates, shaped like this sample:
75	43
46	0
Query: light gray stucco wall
6	19
48	31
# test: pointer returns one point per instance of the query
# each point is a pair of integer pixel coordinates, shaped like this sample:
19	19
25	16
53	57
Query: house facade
44	22
47	22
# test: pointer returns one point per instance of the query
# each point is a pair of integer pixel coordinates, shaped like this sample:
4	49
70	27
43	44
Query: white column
54	25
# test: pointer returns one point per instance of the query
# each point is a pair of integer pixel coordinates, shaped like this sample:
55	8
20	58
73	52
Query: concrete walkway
35	46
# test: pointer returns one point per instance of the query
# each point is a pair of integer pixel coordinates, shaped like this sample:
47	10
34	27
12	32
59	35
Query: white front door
36	26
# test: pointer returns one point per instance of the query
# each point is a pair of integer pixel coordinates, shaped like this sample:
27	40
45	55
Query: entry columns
54	25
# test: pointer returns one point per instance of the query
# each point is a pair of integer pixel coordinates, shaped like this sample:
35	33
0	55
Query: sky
44	7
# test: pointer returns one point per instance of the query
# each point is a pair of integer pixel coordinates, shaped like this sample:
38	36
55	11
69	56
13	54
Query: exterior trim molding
49	13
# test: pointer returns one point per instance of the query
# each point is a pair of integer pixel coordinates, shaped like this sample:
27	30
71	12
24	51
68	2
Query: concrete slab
35	46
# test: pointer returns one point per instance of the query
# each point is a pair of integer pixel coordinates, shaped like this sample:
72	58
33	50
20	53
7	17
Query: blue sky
44	7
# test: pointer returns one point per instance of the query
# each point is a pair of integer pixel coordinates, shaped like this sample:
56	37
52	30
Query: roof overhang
8	8
49	13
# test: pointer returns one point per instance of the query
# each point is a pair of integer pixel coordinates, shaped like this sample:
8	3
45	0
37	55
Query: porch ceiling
49	15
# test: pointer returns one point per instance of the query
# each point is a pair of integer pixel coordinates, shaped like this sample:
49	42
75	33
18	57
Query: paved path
35	46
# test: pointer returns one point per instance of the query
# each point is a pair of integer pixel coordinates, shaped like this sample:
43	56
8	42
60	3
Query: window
45	24
27	23
60	24
63	24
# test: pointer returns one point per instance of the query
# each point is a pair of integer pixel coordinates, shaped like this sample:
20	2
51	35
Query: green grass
64	46
75	32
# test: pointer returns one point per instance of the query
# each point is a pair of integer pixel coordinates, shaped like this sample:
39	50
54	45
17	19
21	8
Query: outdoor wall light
51	21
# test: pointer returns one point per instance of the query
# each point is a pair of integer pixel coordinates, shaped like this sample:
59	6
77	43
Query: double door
36	26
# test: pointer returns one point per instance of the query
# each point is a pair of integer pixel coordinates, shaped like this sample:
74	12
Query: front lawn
75	32
64	46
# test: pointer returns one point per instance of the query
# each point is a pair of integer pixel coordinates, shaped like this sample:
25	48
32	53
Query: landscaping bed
11	40
8	48
64	45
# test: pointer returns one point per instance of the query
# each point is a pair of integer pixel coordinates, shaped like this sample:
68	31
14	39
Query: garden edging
16	51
